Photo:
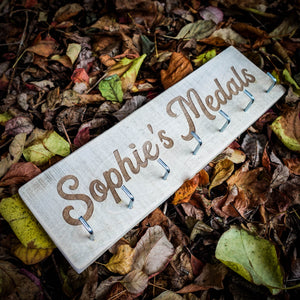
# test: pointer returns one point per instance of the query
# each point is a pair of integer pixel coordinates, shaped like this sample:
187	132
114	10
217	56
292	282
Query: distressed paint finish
88	182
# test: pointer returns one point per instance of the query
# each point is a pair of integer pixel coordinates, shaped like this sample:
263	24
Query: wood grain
88	182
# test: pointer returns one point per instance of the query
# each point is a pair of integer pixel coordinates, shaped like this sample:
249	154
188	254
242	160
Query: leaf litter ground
69	71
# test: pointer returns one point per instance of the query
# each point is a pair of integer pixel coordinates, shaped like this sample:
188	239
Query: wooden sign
90	182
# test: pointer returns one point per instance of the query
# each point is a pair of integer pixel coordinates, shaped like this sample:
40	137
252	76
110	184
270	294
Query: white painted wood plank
109	220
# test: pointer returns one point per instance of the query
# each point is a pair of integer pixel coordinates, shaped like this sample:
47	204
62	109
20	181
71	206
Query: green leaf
56	144
111	88
252	257
23	223
289	79
204	57
41	150
129	77
5	117
147	45
198	30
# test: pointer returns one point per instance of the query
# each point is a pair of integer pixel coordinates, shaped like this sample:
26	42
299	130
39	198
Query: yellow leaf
31	256
222	171
22	222
122	261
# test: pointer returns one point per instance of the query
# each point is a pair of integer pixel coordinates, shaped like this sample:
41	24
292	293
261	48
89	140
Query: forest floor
53	56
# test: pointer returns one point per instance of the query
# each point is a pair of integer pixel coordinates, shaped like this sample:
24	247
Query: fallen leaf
287	27
15	285
67	12
254	145
31	256
5	117
24	225
43	48
111	88
80	75
135	282
229	36
200	228
153	251
254	183
40	151
63	59
129	107
287	128
280	176
290	80
82	137
204	57
222	172
179	67
168	295
71	98
185	192
15	152
119	292
293	164
122	261
248	31
20	173
252	257
198	30
212	13
235	155
211	276
18	125
105	287
90	285
192	211
73	51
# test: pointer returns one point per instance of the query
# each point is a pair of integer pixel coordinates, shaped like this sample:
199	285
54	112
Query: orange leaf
179	67
43	48
293	164
186	191
203	177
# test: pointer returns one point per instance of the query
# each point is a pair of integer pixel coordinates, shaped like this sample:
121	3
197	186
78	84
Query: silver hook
223	114
198	140
162	163
130	196
87	227
251	101
273	83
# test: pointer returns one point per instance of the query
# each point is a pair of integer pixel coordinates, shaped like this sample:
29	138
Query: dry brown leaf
203	178
235	155
293	164
67	12
20	173
254	183
122	261
90	286
179	67
43	48
118	292
249	31
186	191
153	251
135	282
211	276
222	171
30	256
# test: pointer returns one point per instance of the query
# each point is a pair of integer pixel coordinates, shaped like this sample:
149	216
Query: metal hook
198	140
87	227
130	196
223	114
251	101
273	83
162	163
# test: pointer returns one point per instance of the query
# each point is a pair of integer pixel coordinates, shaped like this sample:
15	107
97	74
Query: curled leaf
252	257
222	172
204	57
122	261
179	67
24	225
287	128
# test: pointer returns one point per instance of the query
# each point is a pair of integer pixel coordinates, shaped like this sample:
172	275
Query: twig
66	134
95	84
18	53
117	295
157	286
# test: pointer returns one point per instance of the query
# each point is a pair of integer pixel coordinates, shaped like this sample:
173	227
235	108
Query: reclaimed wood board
88	182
